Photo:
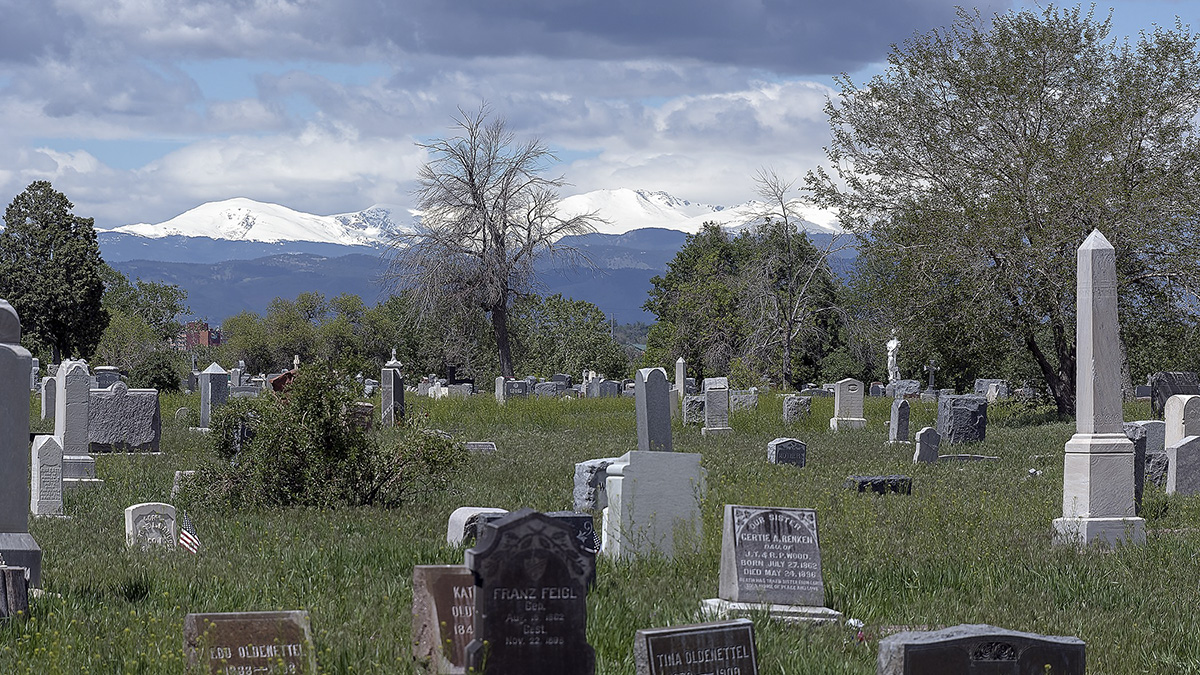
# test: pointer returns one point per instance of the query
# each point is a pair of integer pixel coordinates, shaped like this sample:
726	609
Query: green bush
309	447
158	369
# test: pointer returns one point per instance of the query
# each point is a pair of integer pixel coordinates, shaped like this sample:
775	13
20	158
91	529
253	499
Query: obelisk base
1110	531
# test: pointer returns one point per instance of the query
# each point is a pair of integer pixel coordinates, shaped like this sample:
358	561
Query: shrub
307	447
158	369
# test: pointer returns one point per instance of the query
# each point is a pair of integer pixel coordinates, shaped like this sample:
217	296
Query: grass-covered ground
972	544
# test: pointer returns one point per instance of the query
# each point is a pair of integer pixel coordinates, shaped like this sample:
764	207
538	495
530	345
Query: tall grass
971	544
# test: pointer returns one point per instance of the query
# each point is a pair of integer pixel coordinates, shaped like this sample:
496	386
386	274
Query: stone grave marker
150	524
962	419
928	442
653	504
531	590
1098	464
123	419
877	389
693	409
590	478
1137	433
17	546
226	643
711	382
898	426
107	376
214	392
46	477
1165	385
982	385
978	648
1183	466
443	622
796	407
582	528
787	451
14	592
485	447
725	647
743	400
716	411
72	399
902	388
653	410
1182	413
1156	434
847	405
516	388
771	560
391	387
49	384
880	485
610	389
465	517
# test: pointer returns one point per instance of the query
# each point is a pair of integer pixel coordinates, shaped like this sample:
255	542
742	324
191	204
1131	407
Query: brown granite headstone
725	647
250	642
443	617
531	584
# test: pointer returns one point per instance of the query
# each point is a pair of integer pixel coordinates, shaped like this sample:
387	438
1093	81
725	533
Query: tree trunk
1062	385
500	329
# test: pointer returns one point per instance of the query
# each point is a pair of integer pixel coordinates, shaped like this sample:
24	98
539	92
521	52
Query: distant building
198	334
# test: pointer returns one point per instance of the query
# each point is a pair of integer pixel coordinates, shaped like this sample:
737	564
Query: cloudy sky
141	109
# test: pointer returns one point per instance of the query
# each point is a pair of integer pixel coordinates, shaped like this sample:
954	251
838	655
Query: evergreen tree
50	271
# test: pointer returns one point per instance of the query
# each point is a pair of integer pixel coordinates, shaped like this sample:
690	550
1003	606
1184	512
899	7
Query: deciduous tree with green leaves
50	271
978	161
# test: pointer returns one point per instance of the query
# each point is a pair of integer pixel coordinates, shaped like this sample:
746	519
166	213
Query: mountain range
239	254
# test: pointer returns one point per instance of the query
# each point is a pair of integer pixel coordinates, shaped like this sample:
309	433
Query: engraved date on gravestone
776	556
250	643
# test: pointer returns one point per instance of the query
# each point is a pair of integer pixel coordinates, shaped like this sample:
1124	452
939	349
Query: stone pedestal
653	504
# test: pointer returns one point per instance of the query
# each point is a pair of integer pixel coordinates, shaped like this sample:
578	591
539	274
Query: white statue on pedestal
893	351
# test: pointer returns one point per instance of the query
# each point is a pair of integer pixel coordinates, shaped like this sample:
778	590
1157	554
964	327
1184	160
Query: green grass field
972	544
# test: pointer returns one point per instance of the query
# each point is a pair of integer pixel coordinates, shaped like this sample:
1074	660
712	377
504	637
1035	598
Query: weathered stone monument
214	391
795	407
1098	468
531	585
17	546
928	442
224	643
123	419
653	405
46	477
391	382
1183	466
716	411
591	476
962	419
1165	385
443	622
71	403
977	648
898	426
653	504
726	647
847	405
150	524
1182	418
771	561
463	519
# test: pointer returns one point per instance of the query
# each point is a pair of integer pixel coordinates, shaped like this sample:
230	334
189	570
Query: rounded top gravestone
10	325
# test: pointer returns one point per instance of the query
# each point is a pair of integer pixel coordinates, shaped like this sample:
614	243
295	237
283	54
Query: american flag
187	534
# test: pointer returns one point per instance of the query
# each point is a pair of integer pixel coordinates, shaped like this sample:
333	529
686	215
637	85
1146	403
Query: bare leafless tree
788	288
487	213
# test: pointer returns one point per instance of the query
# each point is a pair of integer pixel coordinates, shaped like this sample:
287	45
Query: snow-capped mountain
621	211
242	219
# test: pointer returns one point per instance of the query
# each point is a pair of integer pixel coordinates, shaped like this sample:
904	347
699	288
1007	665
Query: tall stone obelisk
1098	468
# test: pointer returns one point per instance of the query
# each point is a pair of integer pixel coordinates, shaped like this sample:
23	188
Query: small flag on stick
187	534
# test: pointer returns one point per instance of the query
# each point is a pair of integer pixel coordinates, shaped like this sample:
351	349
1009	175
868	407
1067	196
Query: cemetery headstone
123	419
1165	385
214	392
928	442
1143	391
1156	434
610	389
795	407
486	447
814	392
898	426
771	559
1183	466
681	375
563	378
902	388
590	478
35	368
552	388
150	524
14	592
653	410
1182	413
982	385
653	504
877	389
847	405
531	590
1098	465
49	384
693	409
225	643
786	451
725	647
962	419
106	376
716	411
72	399
978	648
516	388
583	531
46	476
880	485
715	382
1157	465
456	525
443	622
1137	433
997	392
391	385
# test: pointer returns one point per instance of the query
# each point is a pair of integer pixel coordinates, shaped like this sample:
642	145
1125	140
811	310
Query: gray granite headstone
1183	468
902	388
106	376
787	451
653	403
982	385
1165	385
391	387
771	556
72	398
716	410
743	400
928	442
725	647
693	409
1157	465
795	407
516	388
124	419
610	389
17	546
880	485
214	392
1137	433
711	382
979	649
590	479
531	584
962	419
898	427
